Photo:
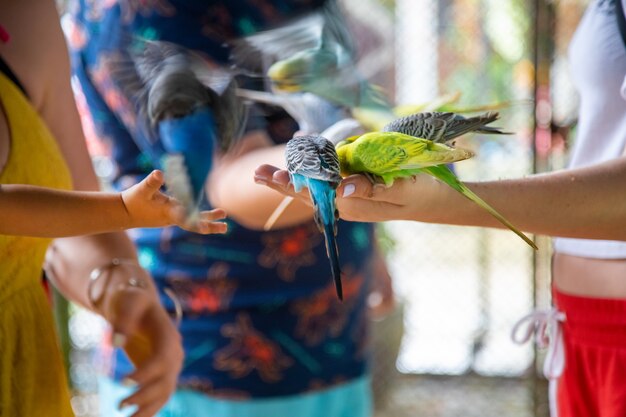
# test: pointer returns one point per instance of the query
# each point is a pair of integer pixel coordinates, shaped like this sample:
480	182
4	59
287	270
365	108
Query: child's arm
45	212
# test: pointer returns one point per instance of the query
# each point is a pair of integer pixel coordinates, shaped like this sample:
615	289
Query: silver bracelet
96	273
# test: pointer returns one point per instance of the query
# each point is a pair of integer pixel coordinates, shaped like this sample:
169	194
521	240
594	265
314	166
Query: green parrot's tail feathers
444	174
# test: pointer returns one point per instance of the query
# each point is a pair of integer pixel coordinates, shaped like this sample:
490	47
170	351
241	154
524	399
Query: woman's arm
232	188
38	55
585	203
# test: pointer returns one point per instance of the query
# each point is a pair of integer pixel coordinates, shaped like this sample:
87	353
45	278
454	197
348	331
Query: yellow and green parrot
387	156
326	73
315	55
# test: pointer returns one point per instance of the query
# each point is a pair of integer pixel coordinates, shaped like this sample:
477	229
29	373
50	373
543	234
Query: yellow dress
32	377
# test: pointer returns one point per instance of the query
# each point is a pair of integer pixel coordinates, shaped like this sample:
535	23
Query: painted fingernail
119	340
348	190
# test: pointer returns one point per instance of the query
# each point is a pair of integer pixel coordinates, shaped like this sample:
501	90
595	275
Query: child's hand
148	207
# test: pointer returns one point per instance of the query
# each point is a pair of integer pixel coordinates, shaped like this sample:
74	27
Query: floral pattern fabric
260	313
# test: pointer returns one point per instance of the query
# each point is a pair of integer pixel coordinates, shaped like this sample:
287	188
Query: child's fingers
205	222
154	181
208	228
212	215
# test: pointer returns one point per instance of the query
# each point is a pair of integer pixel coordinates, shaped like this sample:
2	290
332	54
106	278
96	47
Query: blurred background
460	290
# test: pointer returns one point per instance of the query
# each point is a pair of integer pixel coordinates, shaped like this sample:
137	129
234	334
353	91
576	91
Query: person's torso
598	68
261	317
35	159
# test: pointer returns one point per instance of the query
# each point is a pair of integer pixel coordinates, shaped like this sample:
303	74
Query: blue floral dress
261	322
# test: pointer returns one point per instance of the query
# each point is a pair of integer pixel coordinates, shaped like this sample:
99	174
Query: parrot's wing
430	158
427	125
154	57
329	161
313	157
181	80
312	113
435	154
459	125
443	127
381	154
126	78
255	53
391	151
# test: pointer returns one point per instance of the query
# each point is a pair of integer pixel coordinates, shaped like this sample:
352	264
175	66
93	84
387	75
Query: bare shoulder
38	55
34	44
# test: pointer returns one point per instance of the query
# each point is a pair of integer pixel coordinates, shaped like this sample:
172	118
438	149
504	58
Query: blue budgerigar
187	103
312	162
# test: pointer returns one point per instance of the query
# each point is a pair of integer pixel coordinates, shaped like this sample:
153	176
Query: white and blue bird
186	109
312	162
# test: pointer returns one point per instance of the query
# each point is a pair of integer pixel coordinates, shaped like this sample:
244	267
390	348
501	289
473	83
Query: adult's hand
147	334
360	200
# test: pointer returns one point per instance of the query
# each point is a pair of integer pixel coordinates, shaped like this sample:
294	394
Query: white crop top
597	59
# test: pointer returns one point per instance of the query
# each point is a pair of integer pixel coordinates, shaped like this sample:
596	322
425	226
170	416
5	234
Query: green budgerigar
387	156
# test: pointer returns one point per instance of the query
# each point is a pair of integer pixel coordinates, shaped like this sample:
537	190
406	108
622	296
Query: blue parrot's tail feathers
323	196
333	255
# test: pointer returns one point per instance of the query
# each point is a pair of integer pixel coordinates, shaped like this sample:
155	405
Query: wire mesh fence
460	289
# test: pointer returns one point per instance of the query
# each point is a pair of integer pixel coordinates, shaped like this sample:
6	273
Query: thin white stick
277	213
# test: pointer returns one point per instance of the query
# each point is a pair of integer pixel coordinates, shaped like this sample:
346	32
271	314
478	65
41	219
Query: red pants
593	383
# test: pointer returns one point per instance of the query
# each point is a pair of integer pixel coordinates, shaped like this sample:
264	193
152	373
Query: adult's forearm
586	203
72	259
232	188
